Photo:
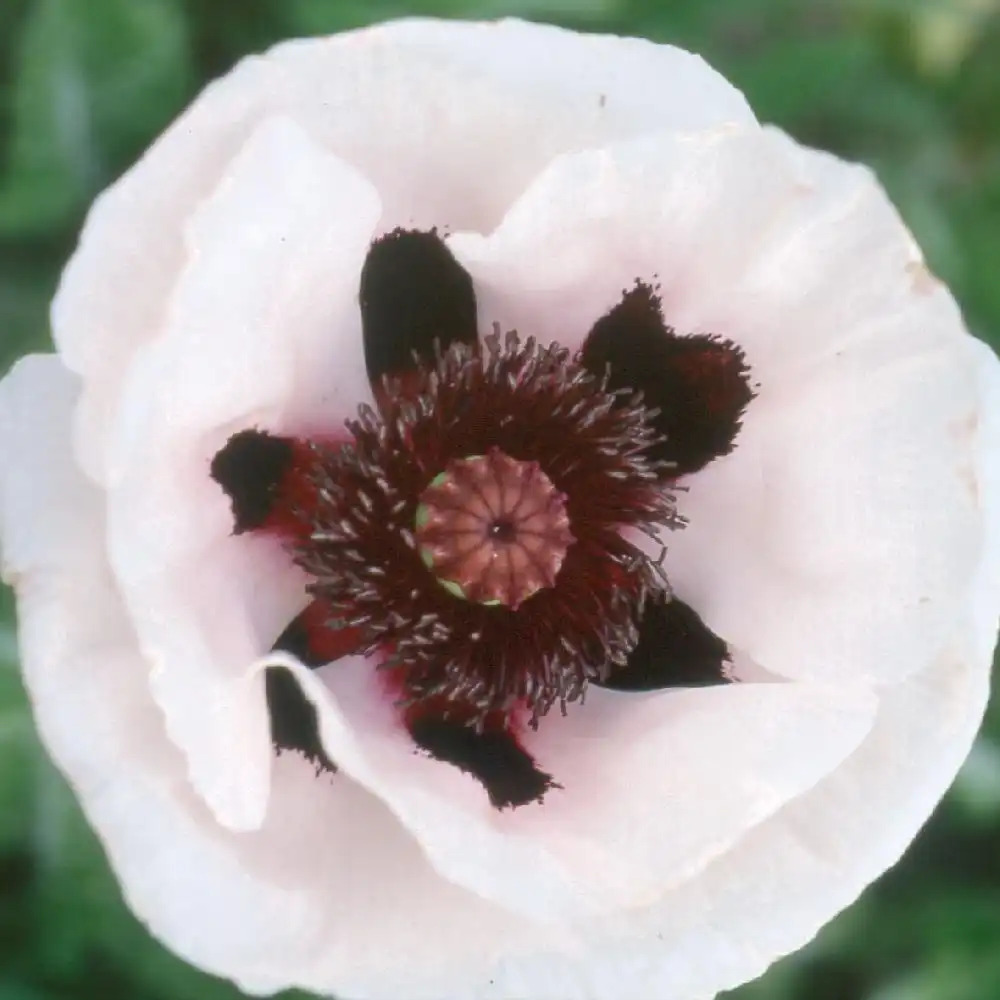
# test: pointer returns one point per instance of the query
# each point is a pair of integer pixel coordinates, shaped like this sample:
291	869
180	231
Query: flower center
493	529
471	531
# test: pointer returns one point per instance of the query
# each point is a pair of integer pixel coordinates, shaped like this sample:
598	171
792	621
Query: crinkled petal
280	906
787	877
981	445
446	810
629	765
838	540
328	886
723	758
773	891
263	330
859	532
47	520
540	89
328	881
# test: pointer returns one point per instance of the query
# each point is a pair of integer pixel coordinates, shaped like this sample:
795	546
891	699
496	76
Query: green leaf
976	88
977	790
95	82
27	281
977	221
18	750
313	17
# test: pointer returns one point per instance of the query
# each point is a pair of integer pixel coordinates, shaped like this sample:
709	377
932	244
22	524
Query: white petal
541	91
497	100
845	509
787	877
773	889
772	892
842	535
446	810
980	439
280	907
656	785
839	539
682	211
653	786
263	330
113	294
329	886
36	399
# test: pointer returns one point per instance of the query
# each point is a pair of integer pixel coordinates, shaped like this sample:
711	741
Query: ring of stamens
493	529
360	519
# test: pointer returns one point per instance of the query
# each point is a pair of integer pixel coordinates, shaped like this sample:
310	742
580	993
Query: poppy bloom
499	522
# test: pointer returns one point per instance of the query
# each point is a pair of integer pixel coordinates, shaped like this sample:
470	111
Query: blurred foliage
911	87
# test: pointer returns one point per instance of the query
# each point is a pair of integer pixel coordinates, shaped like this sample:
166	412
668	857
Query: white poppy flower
418	705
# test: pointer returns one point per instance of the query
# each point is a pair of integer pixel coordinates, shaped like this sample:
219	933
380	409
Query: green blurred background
909	87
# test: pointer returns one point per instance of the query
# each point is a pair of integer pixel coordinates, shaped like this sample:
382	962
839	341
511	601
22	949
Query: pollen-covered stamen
492	529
